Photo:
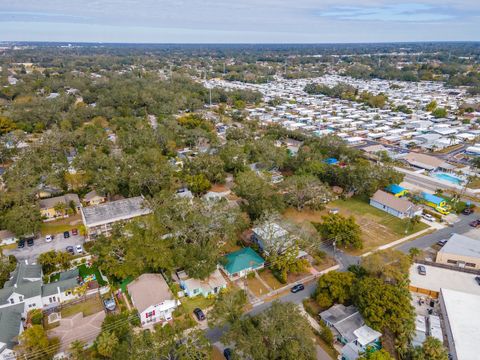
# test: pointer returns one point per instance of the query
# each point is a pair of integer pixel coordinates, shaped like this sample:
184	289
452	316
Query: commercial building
460	251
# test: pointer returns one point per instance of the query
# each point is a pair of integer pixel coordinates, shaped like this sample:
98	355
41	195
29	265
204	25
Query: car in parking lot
199	314
30	242
21	244
421	270
66	234
475	223
428	217
70	250
297	288
442	242
79	249
467	211
74	232
48	238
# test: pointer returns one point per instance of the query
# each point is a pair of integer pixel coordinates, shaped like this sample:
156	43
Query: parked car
74	232
66	234
30	242
227	353
79	249
477	279
428	217
21	244
442	242
422	270
297	288
475	223
110	304
467	211
333	211
48	238
199	314
70	250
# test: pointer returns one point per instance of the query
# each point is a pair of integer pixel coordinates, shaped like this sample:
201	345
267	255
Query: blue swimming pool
447	177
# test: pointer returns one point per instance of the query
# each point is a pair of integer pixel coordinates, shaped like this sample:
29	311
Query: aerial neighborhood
240	203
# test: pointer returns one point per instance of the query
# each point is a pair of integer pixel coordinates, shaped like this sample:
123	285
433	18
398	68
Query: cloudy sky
234	21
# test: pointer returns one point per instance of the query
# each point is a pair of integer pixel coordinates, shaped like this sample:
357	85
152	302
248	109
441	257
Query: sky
239	21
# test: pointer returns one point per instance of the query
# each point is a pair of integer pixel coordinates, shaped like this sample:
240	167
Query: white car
79	249
48	238
428	217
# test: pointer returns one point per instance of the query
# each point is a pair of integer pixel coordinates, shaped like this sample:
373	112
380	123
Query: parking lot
30	253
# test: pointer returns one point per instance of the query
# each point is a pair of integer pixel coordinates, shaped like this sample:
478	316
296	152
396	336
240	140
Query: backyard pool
447	177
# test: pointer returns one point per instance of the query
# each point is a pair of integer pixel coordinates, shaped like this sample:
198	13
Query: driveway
31	253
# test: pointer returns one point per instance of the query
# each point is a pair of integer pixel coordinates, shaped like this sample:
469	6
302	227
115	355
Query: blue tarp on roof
432	198
394	189
331	161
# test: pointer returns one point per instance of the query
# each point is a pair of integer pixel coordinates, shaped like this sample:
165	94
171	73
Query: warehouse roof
462	245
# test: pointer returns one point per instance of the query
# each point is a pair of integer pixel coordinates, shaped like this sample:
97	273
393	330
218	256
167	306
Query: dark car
422	270
74	232
70	250
442	242
227	353
467	211
297	288
199	314
21	244
66	234
477	279
30	242
475	223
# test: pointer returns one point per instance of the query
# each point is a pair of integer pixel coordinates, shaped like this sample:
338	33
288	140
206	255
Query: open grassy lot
271	280
256	287
378	227
90	306
189	304
61	225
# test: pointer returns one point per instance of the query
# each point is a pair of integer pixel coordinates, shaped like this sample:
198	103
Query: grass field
189	304
62	225
271	280
88	307
256	287
378	227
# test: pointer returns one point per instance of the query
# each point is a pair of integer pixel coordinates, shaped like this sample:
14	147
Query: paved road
30	254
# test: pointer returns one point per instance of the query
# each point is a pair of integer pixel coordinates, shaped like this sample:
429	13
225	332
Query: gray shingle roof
462	245
67	281
10	320
65	199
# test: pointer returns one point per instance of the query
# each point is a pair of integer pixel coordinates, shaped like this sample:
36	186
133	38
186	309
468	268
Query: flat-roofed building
460	251
98	219
461	315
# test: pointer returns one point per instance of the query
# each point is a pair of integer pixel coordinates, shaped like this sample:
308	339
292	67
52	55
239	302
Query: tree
228	308
306	191
211	166
386	307
342	230
7	265
431	106
334	287
280	332
54	260
77	350
34	343
260	196
287	262
6	125
198	184
106	343
431	349
440	113
381	354
22	219
392	266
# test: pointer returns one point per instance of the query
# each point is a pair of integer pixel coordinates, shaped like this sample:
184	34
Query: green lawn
189	304
88	307
378	227
85	271
124	283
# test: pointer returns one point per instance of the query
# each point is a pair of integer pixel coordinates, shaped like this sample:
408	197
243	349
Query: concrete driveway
30	253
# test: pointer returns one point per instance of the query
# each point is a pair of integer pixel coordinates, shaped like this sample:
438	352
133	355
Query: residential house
399	207
7	237
239	263
349	329
99	219
59	206
153	299
460	251
61	290
396	190
11	327
209	286
93	198
271	236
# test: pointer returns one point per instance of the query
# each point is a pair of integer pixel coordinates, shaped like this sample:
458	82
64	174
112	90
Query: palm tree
452	138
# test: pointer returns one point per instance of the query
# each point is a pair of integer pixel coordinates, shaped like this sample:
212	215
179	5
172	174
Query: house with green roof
239	263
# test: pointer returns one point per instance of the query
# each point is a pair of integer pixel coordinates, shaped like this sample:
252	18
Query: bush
36	316
251	275
326	334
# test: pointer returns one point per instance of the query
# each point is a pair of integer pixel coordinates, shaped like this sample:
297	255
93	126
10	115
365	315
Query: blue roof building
331	161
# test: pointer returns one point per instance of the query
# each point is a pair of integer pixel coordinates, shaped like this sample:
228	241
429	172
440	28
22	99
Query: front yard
378	227
256	287
189	304
270	279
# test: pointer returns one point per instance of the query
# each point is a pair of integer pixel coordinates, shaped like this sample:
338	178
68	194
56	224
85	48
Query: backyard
84	271
90	306
378	227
